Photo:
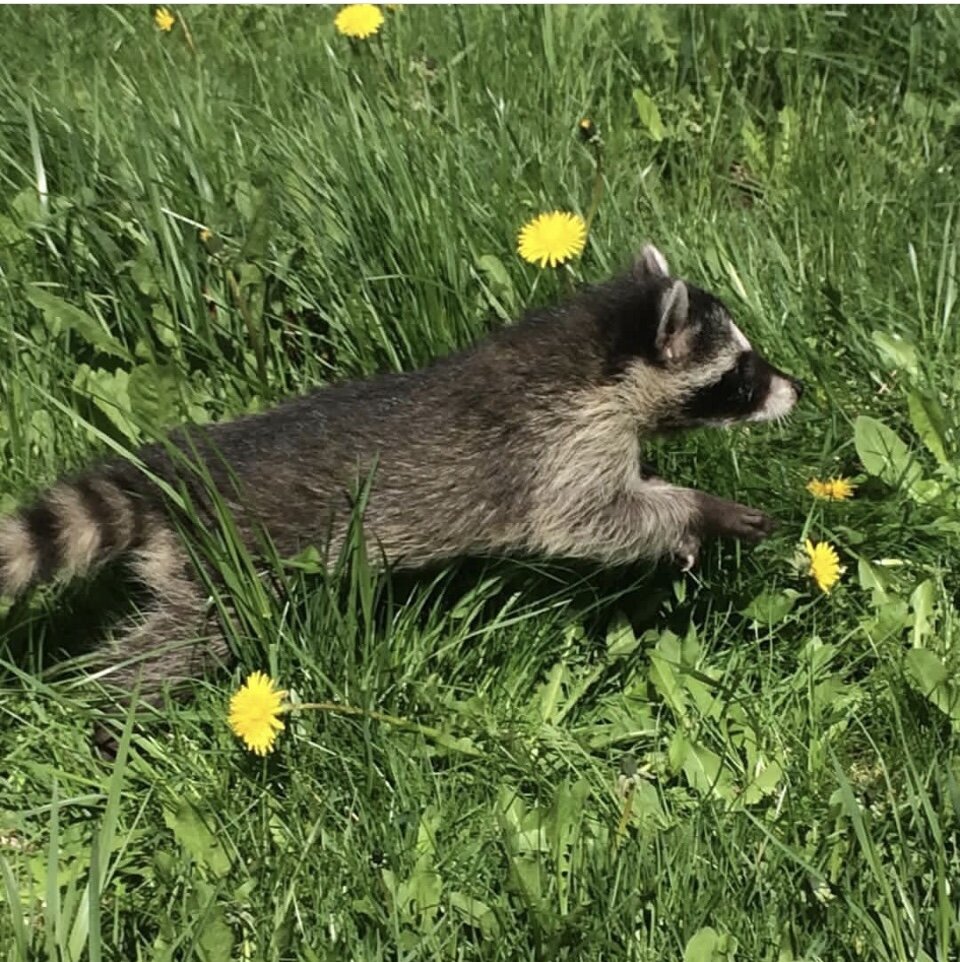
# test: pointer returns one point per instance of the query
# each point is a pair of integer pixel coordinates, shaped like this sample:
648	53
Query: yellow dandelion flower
359	20
839	489
164	19
836	489
254	712
825	566
551	239
205	234
588	129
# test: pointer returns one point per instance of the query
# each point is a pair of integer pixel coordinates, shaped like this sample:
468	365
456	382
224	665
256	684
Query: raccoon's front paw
729	519
752	525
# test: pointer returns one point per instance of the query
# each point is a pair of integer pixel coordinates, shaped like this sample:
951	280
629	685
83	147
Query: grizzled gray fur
528	443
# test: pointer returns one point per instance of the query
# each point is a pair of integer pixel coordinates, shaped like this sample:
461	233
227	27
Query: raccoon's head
689	362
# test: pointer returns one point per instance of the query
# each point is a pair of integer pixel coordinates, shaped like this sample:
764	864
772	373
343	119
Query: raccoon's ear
672	340
650	263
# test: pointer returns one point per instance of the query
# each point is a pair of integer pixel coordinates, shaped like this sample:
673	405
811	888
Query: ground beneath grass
595	764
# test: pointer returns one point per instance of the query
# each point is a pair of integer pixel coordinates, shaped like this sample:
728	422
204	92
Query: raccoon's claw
688	553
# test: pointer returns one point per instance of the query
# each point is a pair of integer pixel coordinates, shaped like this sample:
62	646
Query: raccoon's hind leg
175	642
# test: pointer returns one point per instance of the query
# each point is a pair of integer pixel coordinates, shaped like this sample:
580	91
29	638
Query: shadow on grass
46	630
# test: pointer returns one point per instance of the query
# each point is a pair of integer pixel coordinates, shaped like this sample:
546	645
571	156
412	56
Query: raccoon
528	442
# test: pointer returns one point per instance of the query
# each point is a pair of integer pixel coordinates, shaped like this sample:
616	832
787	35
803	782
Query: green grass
800	795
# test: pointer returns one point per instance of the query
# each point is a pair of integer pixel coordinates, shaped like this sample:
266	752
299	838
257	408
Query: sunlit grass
791	756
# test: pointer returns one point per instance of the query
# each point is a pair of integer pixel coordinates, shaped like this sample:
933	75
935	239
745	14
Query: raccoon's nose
798	387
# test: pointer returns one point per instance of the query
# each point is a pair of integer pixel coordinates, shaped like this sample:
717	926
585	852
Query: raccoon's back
447	450
440	468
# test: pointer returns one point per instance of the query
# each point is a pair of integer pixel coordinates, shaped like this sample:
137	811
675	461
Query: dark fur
527	442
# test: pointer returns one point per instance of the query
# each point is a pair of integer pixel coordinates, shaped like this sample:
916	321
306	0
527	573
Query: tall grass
797	790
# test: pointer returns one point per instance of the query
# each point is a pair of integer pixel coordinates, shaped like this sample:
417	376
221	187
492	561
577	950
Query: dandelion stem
442	738
596	192
255	335
187	35
624	816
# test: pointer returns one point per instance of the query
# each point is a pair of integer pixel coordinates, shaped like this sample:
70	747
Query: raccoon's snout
751	390
782	395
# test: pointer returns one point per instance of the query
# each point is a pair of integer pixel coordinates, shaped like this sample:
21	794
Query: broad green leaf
931	678
917	107
426	846
764	783
246	199
883	453
154	391
621	639
108	390
785	139
60	313
899	353
647	808
655	33
754	145
563	827
10	233
892	617
475	913
677	750
425	888
216	940
930	423
26	205
550	694
875	579
706	773
770	607
249	276
144	271
926	490
164	327
649	115
253	203
922	603
829	692
664	660
192	833
526	874
701	946
497	278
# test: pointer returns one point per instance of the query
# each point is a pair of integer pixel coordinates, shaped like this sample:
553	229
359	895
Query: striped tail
72	529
